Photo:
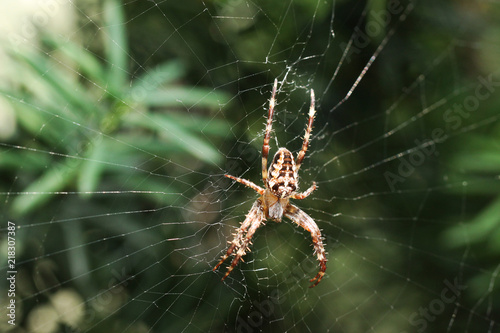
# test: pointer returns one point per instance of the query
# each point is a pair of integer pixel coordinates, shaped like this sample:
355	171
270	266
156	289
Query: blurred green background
119	120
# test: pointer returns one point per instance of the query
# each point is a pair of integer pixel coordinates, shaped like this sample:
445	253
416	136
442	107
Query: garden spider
274	200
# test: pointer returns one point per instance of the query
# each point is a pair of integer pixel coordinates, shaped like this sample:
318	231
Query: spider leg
248	183
241	240
306	222
267	136
238	236
304	194
305	144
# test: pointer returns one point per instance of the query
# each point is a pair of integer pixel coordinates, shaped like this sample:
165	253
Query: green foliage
93	117
127	146
478	160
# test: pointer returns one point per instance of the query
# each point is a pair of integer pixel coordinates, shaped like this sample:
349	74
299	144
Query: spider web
120	119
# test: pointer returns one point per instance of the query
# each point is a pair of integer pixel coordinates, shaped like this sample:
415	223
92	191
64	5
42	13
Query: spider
281	184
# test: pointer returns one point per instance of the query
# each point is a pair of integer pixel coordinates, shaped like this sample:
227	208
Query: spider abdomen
283	174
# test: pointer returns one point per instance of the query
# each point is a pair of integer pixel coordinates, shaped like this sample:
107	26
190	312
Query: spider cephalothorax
281	183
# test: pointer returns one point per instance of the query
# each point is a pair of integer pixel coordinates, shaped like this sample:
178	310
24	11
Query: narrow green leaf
33	121
116	45
153	79
44	123
485	161
176	134
185	97
480	229
39	192
67	90
141	142
78	261
194	122
92	167
86	62
14	159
